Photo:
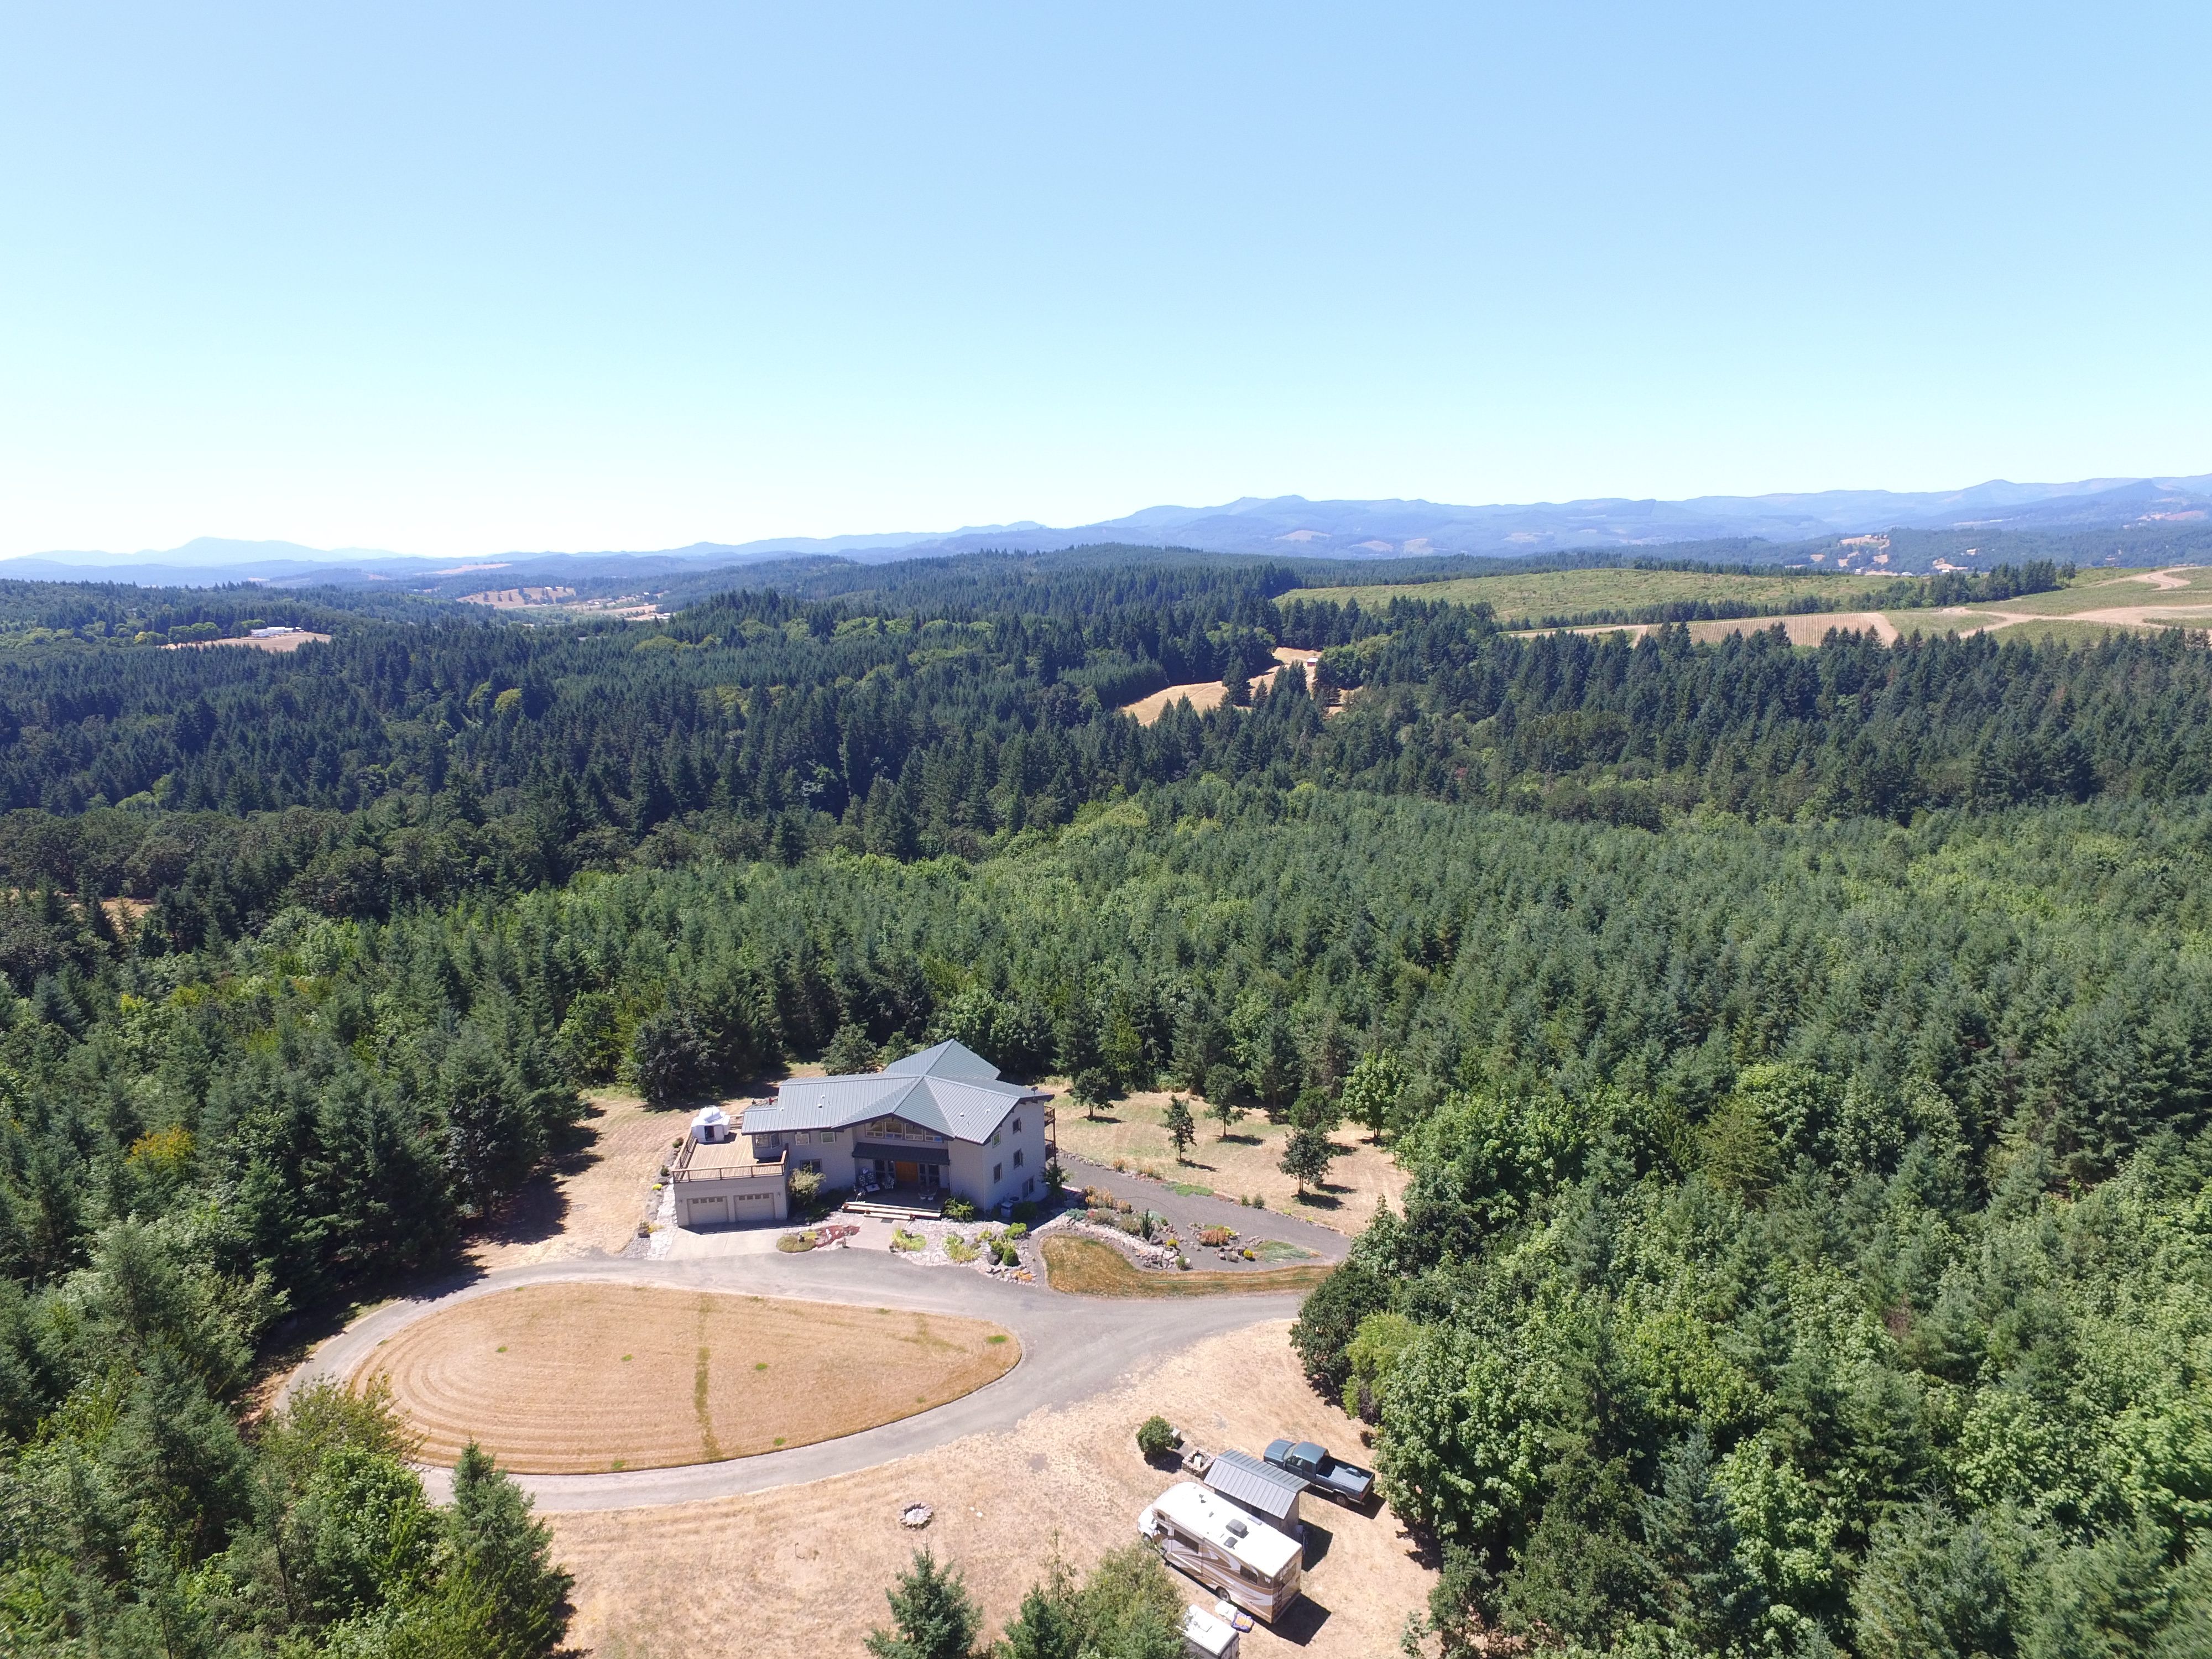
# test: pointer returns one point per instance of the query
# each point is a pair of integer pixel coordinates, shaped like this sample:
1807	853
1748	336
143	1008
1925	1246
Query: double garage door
721	1212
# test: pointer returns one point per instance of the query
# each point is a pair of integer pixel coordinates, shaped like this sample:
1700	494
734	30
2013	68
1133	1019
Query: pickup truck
1331	1477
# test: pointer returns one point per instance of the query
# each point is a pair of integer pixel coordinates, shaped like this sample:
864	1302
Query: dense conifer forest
1803	1058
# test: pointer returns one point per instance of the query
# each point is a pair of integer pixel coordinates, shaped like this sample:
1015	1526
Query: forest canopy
1801	1057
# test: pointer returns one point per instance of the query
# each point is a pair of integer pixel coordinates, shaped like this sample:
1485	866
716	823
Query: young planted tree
1182	1128
1221	1103
933	1615
1307	1156
1092	1088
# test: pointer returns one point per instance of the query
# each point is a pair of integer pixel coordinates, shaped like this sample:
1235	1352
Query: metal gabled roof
947	1059
1257	1484
950	1089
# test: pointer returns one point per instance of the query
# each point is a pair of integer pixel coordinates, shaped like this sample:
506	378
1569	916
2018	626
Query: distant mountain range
1282	524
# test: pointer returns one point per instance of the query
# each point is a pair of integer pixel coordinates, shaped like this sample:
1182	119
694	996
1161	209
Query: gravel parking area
1189	1214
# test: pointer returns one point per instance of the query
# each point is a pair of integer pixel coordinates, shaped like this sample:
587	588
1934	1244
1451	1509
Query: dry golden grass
591	1202
799	1572
1522	598
282	642
1206	694
1247	1164
1088	1268
577	1378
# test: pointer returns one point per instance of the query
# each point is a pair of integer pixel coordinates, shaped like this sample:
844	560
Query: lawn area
1247	1164
1520	599
578	1378
1088	1268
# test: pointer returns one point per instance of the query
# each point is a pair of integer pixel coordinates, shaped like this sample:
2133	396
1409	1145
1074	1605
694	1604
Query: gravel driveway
1073	1347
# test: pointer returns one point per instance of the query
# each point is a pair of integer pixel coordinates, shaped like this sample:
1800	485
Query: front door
906	1174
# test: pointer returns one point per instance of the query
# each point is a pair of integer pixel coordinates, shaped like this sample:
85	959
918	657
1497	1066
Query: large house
939	1120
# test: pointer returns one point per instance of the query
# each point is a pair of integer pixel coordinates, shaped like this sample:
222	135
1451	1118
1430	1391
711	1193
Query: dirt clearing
1087	1267
799	1572
581	1378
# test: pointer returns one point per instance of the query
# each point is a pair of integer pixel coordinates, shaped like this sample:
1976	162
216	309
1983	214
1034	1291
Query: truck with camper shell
1332	1477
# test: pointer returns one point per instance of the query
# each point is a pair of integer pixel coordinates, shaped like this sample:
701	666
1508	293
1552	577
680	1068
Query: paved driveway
1187	1213
1073	1347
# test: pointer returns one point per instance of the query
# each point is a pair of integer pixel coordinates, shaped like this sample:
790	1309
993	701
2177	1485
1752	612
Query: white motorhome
1205	1536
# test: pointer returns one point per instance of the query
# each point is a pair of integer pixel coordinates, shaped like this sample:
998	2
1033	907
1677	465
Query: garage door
710	1211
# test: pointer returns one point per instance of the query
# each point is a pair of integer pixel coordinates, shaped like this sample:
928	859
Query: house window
1017	1158
1029	1186
997	1173
994	1137
1017	1126
812	1165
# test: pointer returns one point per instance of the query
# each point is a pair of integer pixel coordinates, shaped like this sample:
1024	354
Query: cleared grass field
1524	599
1249	1164
2096	604
578	1378
1086	1267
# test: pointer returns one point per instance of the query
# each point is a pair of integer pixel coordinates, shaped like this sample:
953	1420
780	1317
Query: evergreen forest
1803	1058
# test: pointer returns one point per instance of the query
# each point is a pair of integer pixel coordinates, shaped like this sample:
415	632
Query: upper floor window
1017	1126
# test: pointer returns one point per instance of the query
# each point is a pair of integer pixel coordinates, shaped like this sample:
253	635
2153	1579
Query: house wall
829	1150
987	1174
1012	1167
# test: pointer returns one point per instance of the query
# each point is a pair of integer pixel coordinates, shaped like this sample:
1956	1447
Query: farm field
1244	1165
1522	599
682	1579
581	1378
2096	604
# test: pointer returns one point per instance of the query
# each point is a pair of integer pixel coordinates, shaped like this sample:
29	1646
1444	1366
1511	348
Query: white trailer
1207	1538
1208	1635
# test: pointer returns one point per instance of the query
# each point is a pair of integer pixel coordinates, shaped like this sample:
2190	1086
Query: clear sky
461	278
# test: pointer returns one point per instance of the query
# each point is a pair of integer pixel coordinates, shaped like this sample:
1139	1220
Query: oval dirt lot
572	1378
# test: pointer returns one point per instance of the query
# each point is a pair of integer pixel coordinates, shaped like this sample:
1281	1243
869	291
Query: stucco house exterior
939	1120
720	1183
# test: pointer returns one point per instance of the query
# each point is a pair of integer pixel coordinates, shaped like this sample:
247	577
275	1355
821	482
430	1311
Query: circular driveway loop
1073	1347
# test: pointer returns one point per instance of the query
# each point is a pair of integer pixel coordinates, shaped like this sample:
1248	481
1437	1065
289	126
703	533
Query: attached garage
719	1185
698	1210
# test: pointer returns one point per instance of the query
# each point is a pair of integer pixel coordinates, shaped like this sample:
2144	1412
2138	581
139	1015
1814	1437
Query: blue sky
461	278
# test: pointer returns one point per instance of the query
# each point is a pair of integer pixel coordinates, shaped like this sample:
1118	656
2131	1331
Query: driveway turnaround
1073	1347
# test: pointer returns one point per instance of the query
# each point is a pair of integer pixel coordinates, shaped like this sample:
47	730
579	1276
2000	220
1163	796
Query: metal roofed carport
1269	1494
